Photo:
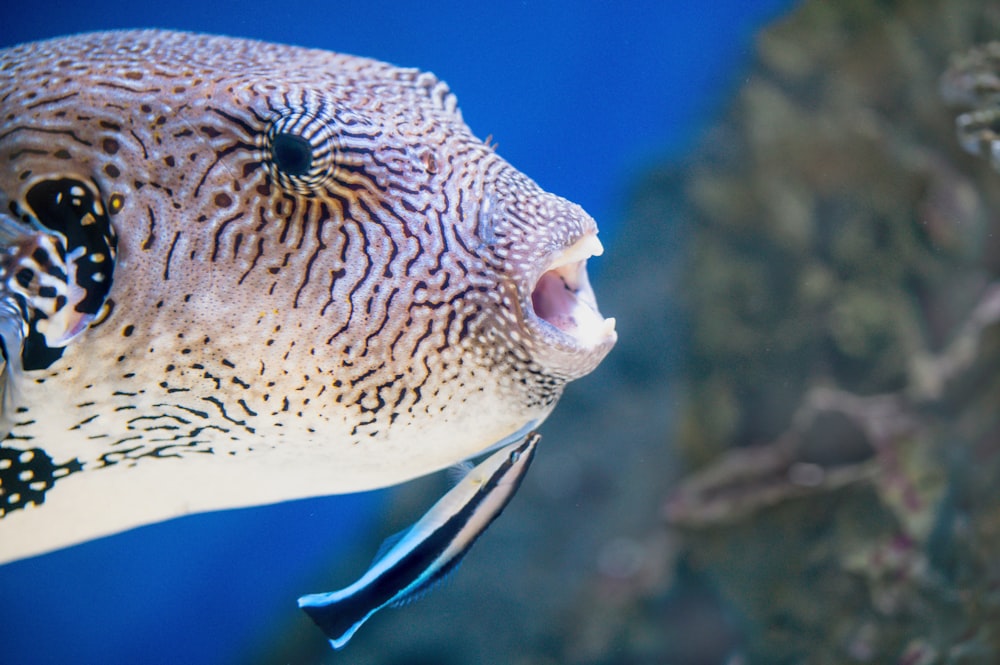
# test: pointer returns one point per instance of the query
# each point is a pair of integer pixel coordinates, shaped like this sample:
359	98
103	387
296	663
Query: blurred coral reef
840	391
793	456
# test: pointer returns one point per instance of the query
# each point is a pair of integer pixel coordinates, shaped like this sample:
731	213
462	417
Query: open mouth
562	297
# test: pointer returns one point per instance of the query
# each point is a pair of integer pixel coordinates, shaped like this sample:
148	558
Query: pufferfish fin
57	258
67	268
13	327
12	330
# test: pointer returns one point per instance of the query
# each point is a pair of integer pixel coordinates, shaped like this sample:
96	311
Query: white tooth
581	250
596	248
609	326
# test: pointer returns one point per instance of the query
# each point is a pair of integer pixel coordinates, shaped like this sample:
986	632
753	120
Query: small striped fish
234	273
411	563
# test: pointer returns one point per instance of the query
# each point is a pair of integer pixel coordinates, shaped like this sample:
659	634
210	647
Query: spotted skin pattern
320	281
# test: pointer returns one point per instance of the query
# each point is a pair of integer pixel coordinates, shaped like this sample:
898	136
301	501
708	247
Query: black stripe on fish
422	560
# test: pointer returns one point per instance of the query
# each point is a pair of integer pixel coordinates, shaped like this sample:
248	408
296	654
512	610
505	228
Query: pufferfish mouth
563	300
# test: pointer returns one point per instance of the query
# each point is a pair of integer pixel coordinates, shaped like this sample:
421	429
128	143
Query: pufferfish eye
300	150
292	154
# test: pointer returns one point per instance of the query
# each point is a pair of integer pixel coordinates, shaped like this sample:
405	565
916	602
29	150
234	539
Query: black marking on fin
37	354
82	221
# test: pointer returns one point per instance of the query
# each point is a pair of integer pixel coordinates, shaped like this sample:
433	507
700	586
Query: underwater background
792	454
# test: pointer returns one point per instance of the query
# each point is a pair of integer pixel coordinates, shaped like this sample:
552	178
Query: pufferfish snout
544	246
234	272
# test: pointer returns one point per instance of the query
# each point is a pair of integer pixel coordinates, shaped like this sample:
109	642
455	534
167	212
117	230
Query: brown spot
128	330
110	146
169	160
223	200
112	171
62	154
179	90
133	76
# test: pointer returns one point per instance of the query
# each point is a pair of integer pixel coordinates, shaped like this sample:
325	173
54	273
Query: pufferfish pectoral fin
56	265
62	264
55	273
12	329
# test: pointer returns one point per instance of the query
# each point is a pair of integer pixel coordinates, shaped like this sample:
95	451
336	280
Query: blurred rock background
793	454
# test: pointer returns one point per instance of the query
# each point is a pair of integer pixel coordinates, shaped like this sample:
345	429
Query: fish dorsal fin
388	544
457	472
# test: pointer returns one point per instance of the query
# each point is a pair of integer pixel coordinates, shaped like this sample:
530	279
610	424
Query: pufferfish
235	273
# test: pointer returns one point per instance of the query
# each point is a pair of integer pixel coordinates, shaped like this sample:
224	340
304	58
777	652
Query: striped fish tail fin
338	614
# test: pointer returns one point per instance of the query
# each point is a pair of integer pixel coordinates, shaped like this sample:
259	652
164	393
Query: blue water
194	590
581	96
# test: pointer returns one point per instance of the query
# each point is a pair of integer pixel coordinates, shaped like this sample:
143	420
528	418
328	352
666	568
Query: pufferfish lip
563	302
